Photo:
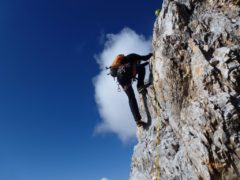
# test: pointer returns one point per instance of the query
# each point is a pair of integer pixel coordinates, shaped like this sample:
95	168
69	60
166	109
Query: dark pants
140	70
132	102
141	74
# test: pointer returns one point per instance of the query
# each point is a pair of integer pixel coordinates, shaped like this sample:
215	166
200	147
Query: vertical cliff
193	105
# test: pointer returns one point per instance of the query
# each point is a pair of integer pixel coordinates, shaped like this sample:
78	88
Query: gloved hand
149	55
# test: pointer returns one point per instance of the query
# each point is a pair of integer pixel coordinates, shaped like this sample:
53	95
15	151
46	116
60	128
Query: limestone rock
193	105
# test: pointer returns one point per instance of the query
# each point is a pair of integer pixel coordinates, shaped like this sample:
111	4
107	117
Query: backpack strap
134	69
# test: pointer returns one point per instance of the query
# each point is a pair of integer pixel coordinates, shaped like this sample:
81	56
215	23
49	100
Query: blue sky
48	111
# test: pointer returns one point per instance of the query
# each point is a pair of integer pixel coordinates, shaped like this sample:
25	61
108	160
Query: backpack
125	74
116	64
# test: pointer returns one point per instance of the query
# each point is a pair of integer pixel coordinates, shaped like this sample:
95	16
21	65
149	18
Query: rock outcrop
193	107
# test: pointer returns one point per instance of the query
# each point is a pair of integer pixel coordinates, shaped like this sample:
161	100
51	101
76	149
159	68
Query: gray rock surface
193	106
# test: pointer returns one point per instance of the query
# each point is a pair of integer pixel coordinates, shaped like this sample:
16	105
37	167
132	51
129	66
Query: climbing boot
141	124
143	89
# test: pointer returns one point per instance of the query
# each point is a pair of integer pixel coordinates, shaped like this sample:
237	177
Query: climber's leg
132	103
141	75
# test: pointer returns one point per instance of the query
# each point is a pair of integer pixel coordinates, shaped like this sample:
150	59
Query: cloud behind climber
126	69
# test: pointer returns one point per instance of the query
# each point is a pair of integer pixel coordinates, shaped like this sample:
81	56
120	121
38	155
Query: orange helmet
117	61
115	65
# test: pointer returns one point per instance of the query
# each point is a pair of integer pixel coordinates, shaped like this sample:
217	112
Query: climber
125	68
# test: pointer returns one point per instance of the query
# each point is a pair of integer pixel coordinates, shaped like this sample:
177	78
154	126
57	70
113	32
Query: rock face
193	106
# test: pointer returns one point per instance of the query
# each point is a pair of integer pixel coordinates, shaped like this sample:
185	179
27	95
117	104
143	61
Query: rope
157	155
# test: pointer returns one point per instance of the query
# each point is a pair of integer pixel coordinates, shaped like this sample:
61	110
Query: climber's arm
135	58
146	57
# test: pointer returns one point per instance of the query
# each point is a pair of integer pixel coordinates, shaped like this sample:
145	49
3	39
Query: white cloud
104	178
113	105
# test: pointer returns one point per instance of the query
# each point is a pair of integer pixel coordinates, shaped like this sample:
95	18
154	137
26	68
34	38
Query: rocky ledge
193	106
